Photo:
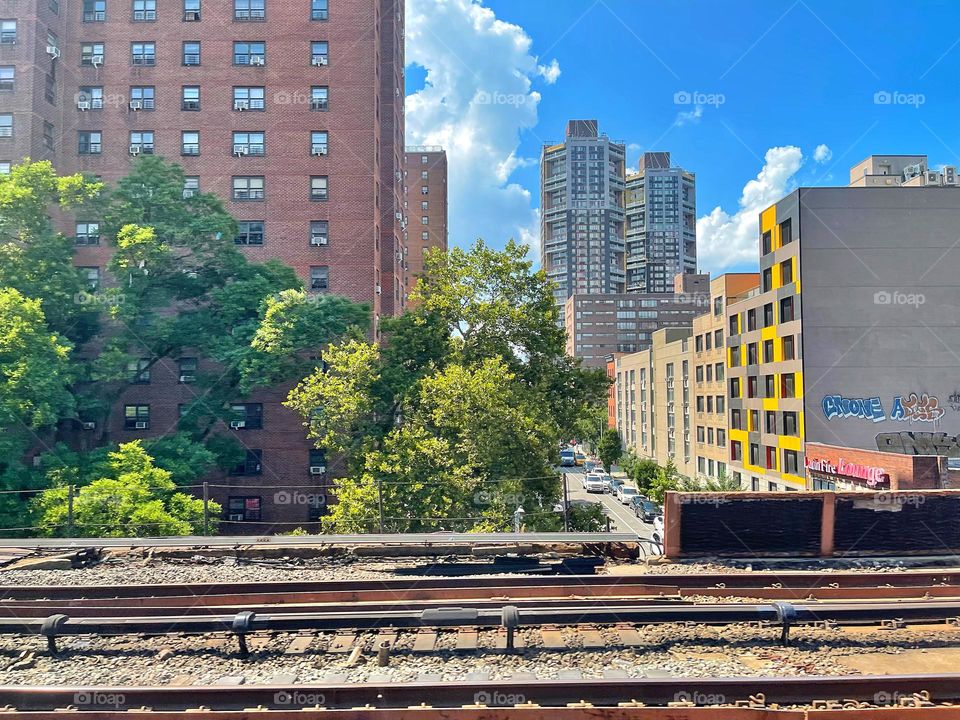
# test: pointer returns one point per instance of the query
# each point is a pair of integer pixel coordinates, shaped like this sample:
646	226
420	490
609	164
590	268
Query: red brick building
829	467
425	206
290	110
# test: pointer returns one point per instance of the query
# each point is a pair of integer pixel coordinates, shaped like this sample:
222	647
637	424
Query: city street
620	515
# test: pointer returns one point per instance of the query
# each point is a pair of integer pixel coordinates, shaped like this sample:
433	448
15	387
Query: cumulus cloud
689	117
551	72
477	99
822	154
725	241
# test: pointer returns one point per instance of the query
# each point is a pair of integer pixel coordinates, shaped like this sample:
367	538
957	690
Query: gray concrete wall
880	273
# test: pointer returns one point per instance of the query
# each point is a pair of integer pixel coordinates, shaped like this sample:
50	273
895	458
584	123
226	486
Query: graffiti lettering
954	401
919	443
839	406
917	408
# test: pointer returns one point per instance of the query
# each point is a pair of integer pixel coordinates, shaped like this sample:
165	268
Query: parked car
625	494
644	508
568	458
594	483
613	484
589	465
580	458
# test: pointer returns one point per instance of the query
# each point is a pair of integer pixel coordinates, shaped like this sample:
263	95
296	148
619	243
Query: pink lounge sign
872	476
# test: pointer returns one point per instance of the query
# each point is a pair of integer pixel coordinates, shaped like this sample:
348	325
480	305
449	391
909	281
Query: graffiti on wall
919	443
915	407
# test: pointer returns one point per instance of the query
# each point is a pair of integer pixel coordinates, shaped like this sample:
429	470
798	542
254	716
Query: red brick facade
362	71
902	472
424	168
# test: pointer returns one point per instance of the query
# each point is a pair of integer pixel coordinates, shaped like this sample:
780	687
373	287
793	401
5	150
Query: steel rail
498	695
411	539
353	590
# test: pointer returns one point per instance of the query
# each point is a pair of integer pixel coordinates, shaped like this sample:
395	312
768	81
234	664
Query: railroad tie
342	642
425	641
501	640
552	637
592	637
467	640
299	645
629	636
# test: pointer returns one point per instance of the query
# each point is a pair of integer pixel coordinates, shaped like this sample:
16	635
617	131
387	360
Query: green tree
458	417
610	449
667	479
642	471
721	483
135	499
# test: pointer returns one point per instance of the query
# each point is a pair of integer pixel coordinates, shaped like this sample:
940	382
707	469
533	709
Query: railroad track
933	697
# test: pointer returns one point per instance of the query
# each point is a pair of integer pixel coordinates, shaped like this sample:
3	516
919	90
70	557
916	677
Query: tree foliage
134	498
610	449
457	419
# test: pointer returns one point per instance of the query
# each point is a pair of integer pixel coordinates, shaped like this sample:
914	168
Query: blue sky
761	86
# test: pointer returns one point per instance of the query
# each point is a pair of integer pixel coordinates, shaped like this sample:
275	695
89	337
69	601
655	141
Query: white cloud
725	241
689	117
822	154
476	101
551	72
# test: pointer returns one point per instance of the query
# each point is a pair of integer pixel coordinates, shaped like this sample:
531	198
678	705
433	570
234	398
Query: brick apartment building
425	206
290	110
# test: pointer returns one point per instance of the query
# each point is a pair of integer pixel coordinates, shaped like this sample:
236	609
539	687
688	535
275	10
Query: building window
734	324
319	10
191	186
249	98
786	309
768	315
736	451
190	97
88	142
755	484
425	235
751	319
735	387
721	438
249	143
752	386
144	54
87	233
720	403
787	385
424	174
788	351
91	54
319	278
772	487
54	6
136	417
769	386
7	74
768	351
319	232
138	371
424	220
736	419
318	143
191	10
318	188
90	276
319	96
187	367
319	53
191	53
142	97
699	373
754	454
786	272
700	434
248	188
250	465
790	424
786	232
752	354
189	142
8	32
698	343
247	416
94	10
250	53
243	509
767	285
718	371
425	205
700	404
90	98
317	460
144	10
248	10
770	422
6	125
250	233
766	243
735	356
424	190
